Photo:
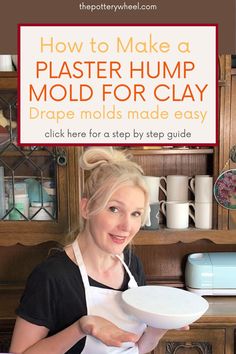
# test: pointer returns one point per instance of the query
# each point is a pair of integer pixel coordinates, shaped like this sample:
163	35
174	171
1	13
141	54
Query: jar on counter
41	211
20	203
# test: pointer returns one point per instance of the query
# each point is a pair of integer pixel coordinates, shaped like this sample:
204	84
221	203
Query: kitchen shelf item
225	189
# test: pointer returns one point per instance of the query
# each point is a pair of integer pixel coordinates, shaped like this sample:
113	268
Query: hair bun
94	157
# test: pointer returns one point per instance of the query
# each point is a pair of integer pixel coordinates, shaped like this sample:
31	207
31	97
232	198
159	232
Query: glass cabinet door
33	182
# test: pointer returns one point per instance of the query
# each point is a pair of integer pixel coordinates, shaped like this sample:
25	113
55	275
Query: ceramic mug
177	214
152	222
203	215
153	184
177	187
5	63
202	187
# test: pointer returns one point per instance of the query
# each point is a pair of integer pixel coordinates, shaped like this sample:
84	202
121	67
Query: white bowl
164	307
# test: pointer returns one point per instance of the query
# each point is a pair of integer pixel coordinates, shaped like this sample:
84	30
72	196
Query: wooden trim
167	236
33	239
8	80
145	152
224	129
232	141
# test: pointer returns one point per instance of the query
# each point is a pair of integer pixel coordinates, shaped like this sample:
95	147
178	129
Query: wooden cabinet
202	341
25	243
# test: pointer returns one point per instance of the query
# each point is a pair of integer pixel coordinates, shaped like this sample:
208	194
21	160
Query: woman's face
116	225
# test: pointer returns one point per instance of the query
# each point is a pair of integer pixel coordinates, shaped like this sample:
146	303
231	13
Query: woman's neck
93	255
101	266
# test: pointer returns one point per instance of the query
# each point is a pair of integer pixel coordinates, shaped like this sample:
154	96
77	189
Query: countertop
221	309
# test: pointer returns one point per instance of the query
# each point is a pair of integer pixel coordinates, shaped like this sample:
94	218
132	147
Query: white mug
202	187
203	215
5	63
176	188
153	184
177	214
152	222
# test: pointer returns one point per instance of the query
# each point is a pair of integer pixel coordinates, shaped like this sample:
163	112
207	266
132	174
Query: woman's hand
105	331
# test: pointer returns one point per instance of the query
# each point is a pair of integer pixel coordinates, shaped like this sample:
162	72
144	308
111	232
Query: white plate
164	307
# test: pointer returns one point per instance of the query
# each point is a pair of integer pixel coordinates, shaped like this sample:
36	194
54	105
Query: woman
72	301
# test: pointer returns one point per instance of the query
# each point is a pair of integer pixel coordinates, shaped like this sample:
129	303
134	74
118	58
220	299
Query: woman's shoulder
56	264
135	265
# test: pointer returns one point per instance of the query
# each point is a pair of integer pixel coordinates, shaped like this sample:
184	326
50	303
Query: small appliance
212	273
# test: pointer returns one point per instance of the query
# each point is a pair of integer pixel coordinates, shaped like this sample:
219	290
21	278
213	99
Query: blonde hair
110	170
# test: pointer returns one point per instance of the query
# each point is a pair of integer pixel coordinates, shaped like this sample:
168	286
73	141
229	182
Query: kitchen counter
222	309
213	333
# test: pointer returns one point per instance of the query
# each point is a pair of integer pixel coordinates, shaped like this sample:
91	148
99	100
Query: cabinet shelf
143	152
167	236
8	74
36	236
8	80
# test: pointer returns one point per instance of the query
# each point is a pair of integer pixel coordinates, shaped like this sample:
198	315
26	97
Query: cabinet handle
61	157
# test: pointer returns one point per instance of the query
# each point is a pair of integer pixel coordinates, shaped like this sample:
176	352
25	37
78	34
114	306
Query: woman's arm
29	338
